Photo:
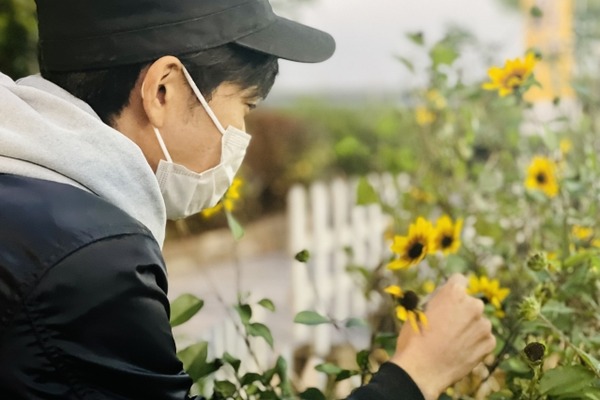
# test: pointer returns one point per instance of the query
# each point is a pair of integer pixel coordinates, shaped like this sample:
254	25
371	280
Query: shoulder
43	222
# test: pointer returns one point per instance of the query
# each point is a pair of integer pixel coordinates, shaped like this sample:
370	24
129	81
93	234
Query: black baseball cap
78	35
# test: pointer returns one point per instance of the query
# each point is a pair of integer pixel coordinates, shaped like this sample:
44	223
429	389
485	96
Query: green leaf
407	63
345	374
225	389
245	312
231	360
589	360
387	341
250	377
328	368
536	12
260	330
285	385
365	193
310	318
268	375
302	256
183	308
362	359
356	322
442	54
312	394
194	361
234	226
566	380
556	307
577	259
281	367
417	38
268	304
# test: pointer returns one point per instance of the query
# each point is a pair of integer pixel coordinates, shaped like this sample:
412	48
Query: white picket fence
324	220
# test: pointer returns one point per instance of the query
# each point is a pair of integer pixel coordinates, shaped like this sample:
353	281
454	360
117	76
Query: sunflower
565	146
423	116
541	175
512	76
227	202
582	233
489	291
407	304
413	248
447	235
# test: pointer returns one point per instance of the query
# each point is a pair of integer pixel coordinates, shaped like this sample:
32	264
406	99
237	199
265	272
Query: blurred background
359	112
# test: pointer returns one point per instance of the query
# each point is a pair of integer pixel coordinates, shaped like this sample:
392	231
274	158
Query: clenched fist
457	339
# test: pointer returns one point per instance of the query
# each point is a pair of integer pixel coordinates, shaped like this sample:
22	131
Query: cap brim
292	41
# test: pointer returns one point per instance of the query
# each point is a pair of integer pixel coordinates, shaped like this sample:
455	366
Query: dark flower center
483	298
415	250
535	351
447	241
410	301
514	81
540	178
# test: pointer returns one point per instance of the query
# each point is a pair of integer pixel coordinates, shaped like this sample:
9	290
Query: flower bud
544	292
537	262
529	309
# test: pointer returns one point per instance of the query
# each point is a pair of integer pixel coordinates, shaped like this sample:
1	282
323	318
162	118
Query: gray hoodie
47	133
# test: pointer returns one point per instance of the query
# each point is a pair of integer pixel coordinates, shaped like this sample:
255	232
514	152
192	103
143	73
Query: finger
459	280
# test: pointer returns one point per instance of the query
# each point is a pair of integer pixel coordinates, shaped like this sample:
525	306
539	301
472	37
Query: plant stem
565	339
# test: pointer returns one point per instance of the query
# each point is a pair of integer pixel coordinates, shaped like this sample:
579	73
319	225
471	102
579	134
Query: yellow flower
210	212
413	248
428	286
541	175
436	98
565	146
423	116
407	304
420	195
489	291
581	232
512	76
447	235
227	202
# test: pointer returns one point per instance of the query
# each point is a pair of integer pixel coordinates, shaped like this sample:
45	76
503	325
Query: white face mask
186	192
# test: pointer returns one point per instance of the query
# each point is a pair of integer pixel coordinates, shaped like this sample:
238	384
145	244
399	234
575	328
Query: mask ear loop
203	101
162	145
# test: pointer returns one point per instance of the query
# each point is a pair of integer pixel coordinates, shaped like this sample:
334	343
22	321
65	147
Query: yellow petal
398	264
496	303
399	244
423	319
394	290
413	321
401	313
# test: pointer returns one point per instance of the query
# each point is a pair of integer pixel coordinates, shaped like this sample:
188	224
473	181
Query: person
138	116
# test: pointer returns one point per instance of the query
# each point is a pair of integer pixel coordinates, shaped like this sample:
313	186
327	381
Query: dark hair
107	91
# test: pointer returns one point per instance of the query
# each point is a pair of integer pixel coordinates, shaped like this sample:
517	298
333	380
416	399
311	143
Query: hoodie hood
47	133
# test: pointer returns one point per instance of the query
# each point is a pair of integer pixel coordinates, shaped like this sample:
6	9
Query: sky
369	33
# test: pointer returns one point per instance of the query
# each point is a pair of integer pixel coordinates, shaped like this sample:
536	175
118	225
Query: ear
158	88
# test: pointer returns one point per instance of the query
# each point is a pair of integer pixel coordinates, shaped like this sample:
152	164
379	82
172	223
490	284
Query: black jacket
83	305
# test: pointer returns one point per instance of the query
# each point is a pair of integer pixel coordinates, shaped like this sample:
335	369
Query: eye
251	106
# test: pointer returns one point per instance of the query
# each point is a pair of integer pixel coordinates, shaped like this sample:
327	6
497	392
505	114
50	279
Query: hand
457	339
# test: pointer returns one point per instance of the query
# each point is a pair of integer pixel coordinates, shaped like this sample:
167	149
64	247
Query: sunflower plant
519	217
516	213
